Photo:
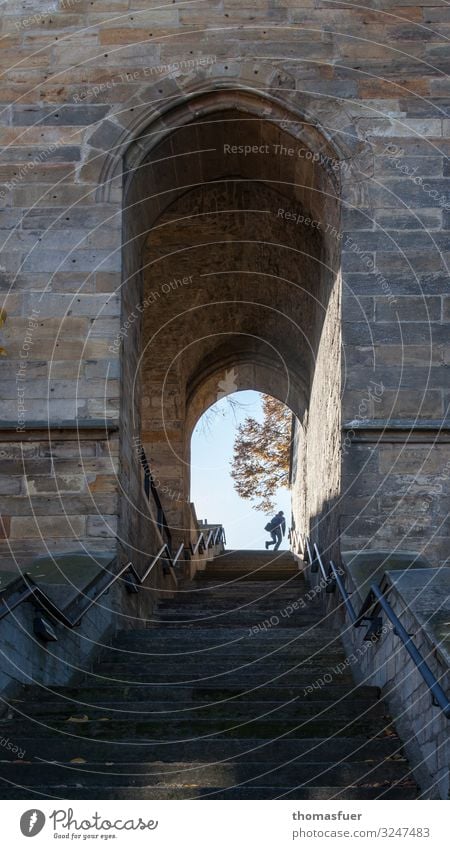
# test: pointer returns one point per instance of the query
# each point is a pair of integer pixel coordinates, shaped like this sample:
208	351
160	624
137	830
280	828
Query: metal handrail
345	596
311	559
199	545
439	697
375	598
164	550
25	589
215	536
151	490
297	543
319	561
168	569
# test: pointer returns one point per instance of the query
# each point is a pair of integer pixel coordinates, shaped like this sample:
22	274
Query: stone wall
58	491
418	598
396	485
316	470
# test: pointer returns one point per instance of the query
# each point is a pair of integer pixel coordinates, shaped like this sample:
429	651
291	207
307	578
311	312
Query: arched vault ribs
229	260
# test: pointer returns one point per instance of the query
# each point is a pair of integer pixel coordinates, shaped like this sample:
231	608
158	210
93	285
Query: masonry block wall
87	89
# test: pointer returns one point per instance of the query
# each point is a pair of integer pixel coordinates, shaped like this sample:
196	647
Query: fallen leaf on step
372	785
83	718
77	761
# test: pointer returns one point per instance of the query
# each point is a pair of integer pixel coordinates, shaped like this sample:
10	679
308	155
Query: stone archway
231	262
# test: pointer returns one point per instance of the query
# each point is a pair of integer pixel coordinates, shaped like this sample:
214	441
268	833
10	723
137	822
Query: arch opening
219	447
232	266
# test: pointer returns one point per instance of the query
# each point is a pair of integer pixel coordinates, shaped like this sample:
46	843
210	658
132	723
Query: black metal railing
326	572
152	492
369	614
353	616
214	537
439	697
24	588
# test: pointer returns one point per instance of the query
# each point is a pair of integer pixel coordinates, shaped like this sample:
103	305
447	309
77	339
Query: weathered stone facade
115	120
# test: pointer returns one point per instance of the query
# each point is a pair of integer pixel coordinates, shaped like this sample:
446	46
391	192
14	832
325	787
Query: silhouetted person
277	529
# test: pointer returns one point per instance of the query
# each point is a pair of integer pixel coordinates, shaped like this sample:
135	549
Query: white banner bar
207	824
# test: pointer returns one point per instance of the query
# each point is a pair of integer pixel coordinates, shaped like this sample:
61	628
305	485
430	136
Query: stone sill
39	431
398	430
397	424
425	594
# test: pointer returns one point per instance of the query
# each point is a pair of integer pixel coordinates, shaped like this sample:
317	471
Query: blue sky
212	489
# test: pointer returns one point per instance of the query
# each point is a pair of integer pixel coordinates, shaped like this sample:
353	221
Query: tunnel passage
234	278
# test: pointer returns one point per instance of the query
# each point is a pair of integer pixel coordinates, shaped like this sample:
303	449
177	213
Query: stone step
191	775
137	656
205	581
261	555
304	676
202	694
131	710
254	569
239	600
239	793
213	569
286	574
248	576
216	636
220	593
210	749
238	594
167	728
267	605
250	566
223	617
266	561
251	648
242	601
186	668
312	635
260	610
263	560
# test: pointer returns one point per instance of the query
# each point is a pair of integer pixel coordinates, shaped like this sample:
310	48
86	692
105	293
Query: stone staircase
234	692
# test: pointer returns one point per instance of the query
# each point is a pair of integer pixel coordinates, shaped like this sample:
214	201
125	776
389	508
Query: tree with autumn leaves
261	453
